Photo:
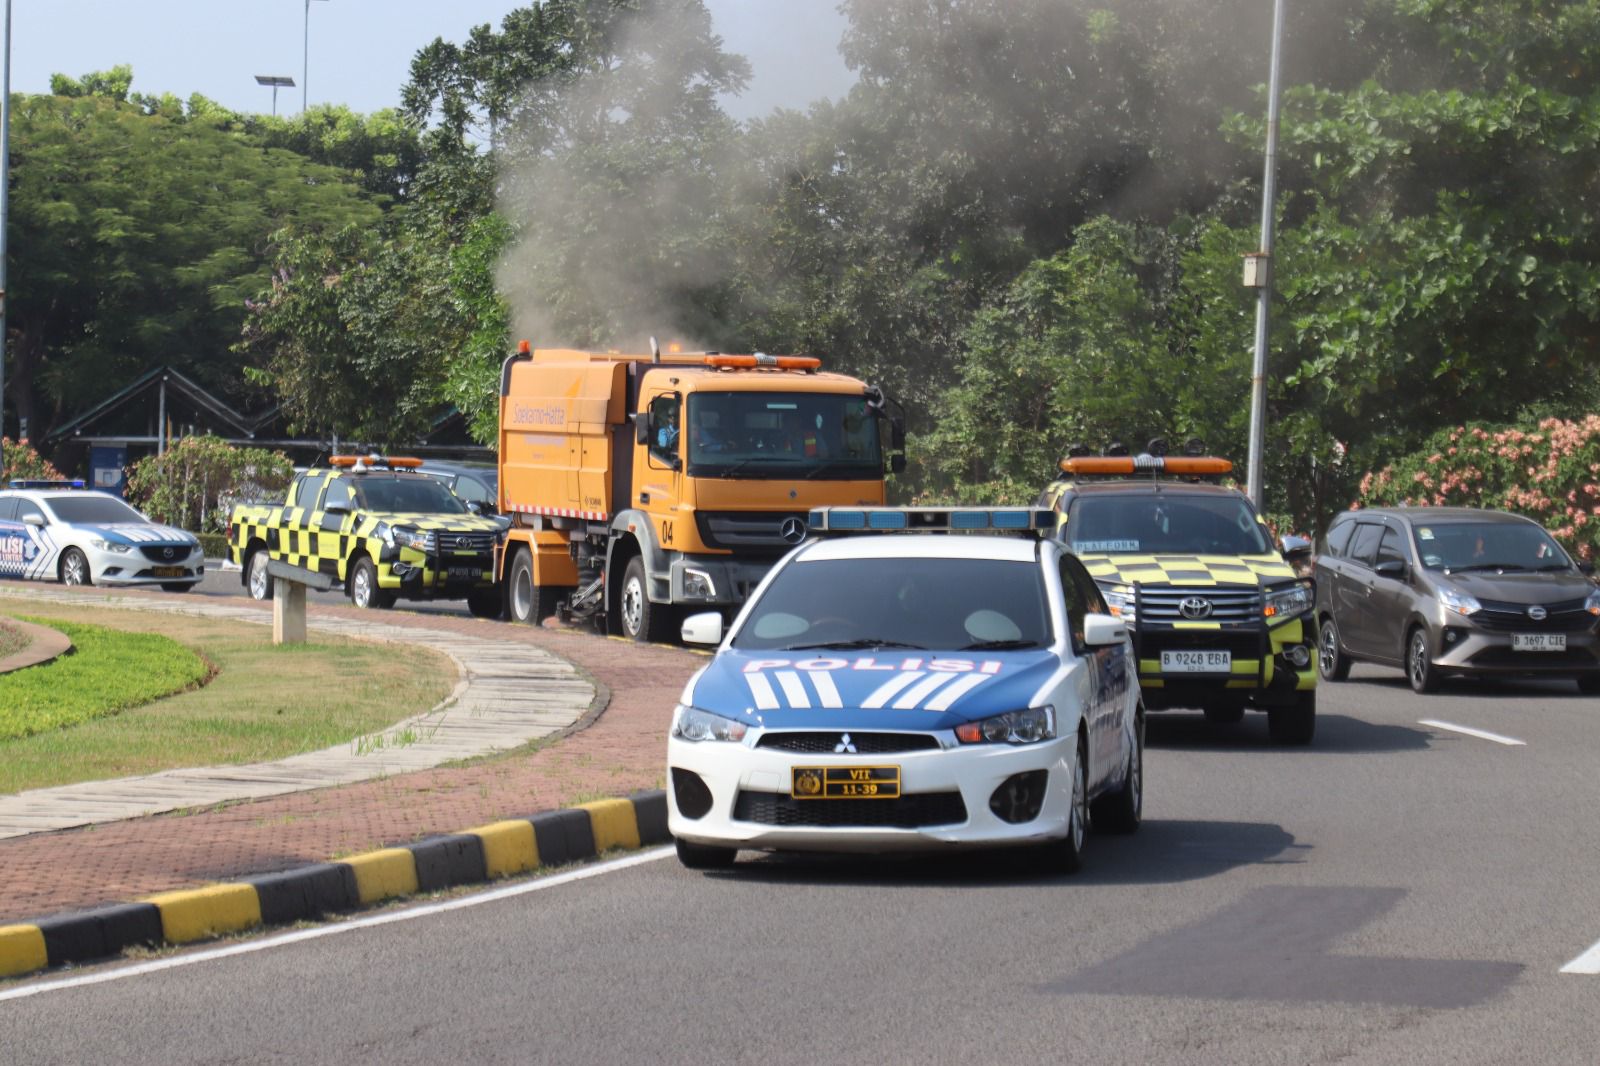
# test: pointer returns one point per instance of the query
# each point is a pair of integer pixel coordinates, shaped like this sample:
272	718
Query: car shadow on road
1163	851
1337	734
1478	688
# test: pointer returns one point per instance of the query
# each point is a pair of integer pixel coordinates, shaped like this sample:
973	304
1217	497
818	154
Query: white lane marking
761	690
793	689
921	691
1588	962
424	911
827	691
886	691
954	691
1481	734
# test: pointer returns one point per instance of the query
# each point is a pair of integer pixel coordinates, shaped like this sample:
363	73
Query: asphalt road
1396	893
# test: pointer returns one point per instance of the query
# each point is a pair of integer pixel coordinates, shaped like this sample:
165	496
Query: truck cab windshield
829	436
1164	524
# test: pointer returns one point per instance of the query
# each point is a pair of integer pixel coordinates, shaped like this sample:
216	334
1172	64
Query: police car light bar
1112	465
929	519
20	483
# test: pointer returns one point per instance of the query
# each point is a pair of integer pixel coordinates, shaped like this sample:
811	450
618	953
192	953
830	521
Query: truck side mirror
897	464
641	427
897	436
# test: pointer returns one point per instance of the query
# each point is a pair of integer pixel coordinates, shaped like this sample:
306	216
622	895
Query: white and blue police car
59	531
910	679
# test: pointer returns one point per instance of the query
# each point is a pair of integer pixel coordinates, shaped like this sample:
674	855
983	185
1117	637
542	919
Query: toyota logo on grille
845	746
1195	607
463	542
1537	613
793	531
167	553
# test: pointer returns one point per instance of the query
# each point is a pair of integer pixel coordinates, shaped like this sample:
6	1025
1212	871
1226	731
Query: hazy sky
360	50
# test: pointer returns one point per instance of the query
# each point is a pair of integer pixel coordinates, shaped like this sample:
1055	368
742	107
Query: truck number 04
666	532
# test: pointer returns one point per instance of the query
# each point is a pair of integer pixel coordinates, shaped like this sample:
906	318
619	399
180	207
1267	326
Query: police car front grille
829	743
914	811
164	553
1228	606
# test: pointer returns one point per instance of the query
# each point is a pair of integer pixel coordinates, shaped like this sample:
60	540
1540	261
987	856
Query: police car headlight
697	585
694	725
1120	603
1287	602
111	546
1016	727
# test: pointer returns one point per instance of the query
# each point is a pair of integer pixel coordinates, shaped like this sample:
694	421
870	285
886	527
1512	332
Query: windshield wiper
1001	645
1484	566
860	642
1550	568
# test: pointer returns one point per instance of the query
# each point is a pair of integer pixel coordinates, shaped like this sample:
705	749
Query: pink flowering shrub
1550	473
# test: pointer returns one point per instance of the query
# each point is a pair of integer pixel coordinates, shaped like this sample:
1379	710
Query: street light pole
277	81
1258	268
305	62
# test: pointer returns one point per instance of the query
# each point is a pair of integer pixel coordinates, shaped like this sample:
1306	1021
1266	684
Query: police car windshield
940	604
407	494
92	509
1488	546
1164	524
821	436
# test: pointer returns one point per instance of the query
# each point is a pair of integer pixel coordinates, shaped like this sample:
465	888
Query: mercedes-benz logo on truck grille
1537	613
793	531
1194	607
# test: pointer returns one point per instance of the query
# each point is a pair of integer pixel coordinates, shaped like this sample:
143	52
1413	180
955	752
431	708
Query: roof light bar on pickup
1140	464
926	519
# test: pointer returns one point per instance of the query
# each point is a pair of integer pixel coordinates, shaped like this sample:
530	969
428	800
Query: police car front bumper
132	568
952	789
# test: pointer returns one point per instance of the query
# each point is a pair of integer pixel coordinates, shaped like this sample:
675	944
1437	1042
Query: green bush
198	479
1550	473
21	461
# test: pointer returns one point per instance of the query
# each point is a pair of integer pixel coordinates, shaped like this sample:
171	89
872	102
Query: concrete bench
289	599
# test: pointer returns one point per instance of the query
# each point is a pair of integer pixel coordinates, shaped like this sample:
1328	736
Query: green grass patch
107	671
263	702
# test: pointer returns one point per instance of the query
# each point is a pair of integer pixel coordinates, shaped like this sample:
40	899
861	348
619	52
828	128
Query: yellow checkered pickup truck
379	528
1220	620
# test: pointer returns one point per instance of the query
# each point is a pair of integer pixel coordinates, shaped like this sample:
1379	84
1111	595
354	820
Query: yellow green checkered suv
378	528
1220	620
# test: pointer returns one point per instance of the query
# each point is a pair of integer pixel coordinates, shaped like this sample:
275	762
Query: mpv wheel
1332	663
1421	672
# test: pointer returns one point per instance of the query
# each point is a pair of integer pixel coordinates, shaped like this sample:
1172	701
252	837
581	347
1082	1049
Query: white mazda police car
955	682
58	531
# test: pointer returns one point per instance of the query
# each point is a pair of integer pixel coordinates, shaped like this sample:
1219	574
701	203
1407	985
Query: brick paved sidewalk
623	749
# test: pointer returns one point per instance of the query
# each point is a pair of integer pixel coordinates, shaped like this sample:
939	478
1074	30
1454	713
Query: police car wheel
257	581
1065	856
364	590
1122	810
704	856
75	568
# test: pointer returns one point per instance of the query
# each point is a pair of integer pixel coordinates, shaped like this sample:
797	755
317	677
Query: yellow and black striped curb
552	838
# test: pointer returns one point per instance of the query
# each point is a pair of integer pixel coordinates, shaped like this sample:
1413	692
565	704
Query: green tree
194	482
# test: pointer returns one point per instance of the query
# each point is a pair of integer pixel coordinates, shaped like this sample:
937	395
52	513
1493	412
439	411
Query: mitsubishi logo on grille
167	553
1194	607
1537	613
463	542
844	747
793	531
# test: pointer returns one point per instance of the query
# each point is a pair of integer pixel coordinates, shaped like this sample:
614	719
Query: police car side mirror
33	520
703	628
1102	630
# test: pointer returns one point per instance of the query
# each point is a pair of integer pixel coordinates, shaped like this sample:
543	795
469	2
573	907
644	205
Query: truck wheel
364	590
641	619
527	602
1296	723
257	581
486	603
1332	662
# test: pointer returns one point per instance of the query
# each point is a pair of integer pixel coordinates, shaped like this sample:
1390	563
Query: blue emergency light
929	519
24	483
